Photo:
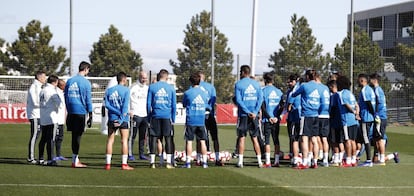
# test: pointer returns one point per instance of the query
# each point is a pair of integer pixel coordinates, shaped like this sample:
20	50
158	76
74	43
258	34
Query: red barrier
13	113
226	114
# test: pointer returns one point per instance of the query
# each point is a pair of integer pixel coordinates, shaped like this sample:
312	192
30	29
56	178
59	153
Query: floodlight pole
212	42
253	39
352	47
70	37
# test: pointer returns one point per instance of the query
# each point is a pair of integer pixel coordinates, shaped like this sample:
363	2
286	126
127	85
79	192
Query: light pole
352	47
70	38
253	39
212	42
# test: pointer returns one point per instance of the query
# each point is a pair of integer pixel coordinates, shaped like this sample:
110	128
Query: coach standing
33	112
78	103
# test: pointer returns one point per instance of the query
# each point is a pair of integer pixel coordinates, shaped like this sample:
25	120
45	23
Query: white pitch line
212	186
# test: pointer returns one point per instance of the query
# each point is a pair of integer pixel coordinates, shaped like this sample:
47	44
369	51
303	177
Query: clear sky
155	27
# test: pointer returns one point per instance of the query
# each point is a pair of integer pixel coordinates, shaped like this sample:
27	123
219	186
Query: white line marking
211	187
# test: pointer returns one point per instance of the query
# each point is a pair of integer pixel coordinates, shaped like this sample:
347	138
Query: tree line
299	51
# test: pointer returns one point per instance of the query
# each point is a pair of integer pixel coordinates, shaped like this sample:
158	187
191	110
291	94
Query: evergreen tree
196	55
404	63
112	54
31	51
366	56
299	52
3	59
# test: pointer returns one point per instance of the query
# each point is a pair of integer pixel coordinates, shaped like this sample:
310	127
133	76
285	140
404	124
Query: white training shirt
138	101
32	106
49	105
61	114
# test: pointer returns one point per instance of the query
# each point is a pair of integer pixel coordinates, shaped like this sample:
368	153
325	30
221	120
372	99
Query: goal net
13	96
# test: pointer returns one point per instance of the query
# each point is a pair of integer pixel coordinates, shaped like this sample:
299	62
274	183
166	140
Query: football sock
75	158
124	159
277	158
267	156
390	156
259	158
168	158
162	158
108	158
325	157
341	156
348	160
353	159
204	158
152	158
240	159
320	156
337	158
198	157
382	158
188	160
357	153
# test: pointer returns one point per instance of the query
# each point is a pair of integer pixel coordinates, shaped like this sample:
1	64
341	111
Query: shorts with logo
199	131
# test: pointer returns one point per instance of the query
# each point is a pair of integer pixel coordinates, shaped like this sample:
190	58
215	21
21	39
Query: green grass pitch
19	178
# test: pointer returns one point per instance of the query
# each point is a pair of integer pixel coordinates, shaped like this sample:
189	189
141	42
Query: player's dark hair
120	76
52	79
311	74
332	83
163	73
375	76
268	77
39	73
83	65
343	82
293	77
195	78
363	76
245	69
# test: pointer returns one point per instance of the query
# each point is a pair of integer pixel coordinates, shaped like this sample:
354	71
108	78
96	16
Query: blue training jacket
310	99
249	96
161	101
78	98
117	102
272	98
195	101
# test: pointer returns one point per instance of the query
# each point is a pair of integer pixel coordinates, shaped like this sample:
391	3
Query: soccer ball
225	156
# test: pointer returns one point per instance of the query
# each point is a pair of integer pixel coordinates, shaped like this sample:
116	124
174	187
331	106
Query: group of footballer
320	119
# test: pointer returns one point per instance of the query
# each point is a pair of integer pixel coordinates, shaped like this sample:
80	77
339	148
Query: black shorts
379	130
336	135
114	125
294	130
309	126
351	132
323	127
211	126
76	122
271	129
199	131
245	124
161	127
